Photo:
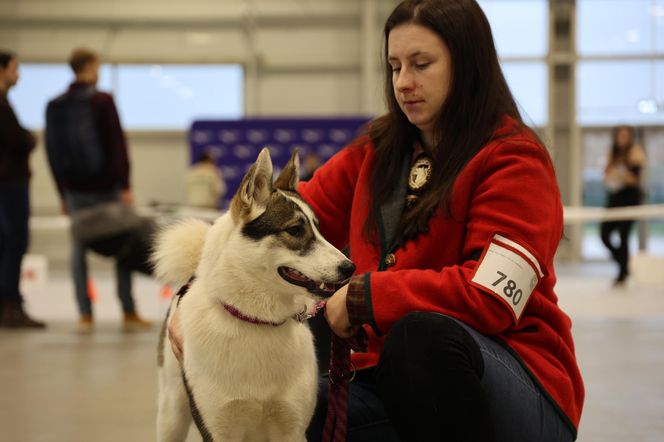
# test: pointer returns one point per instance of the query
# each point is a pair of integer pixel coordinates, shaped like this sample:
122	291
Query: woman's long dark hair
619	153
478	99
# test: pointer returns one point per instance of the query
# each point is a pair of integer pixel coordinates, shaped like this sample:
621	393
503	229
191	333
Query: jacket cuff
356	301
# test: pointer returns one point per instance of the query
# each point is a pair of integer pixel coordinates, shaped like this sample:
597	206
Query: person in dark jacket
111	184
16	144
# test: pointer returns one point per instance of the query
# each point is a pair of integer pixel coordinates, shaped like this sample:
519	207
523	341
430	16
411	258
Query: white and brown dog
249	371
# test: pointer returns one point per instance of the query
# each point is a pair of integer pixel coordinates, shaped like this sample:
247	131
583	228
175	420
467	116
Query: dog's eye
295	231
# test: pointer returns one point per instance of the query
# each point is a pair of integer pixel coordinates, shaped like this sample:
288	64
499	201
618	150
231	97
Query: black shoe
12	315
621	280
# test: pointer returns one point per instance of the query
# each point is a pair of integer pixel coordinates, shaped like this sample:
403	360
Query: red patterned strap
341	372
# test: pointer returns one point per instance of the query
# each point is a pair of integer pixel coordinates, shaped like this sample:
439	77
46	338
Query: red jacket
510	188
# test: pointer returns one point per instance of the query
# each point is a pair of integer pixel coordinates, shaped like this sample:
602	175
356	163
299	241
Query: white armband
510	271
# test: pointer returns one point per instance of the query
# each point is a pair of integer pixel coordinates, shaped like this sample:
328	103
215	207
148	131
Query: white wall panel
53	44
307	95
154	11
43	194
306	46
142	45
158	163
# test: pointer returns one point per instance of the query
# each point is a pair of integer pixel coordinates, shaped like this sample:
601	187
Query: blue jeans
14	237
495	399
76	201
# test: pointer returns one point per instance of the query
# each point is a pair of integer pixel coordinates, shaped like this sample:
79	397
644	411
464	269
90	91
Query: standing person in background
205	184
310	163
84	113
622	180
16	144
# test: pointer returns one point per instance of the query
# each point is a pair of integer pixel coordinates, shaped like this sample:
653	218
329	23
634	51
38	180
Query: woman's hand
336	314
175	336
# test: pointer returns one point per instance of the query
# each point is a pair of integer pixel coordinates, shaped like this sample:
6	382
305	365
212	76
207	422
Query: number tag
510	271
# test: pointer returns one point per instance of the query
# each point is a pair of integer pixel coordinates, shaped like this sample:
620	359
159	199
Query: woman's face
421	73
623	137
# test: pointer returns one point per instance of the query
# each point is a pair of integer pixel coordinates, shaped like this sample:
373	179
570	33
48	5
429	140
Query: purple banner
234	144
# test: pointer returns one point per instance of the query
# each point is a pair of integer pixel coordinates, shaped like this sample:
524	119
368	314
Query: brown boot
14	316
133	322
86	324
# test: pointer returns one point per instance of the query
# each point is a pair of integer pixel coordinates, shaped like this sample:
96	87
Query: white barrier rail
571	215
646	267
576	214
61	222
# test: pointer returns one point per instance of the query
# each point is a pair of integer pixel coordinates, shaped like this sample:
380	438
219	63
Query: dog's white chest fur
255	380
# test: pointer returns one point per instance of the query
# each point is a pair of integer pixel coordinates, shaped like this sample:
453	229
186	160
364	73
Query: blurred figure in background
622	180
88	156
205	183
16	144
310	163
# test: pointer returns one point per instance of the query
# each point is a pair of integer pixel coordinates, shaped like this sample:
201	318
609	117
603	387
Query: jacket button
390	259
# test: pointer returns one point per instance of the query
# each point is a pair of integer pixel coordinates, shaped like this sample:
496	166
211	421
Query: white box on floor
34	272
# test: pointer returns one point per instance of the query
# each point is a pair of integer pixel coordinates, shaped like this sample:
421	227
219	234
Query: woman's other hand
336	314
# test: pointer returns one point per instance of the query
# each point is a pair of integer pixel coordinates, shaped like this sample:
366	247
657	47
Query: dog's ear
256	186
290	175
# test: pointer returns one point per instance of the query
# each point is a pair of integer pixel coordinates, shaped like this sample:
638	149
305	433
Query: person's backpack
73	145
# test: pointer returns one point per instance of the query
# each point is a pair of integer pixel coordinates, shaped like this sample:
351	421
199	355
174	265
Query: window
523	59
619	80
620	27
620	91
148	97
38	84
172	96
528	83
520	27
620	75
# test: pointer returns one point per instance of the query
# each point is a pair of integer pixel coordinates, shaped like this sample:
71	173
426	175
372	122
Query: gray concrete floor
61	386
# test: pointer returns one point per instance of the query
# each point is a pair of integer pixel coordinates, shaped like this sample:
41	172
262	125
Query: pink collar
300	317
238	314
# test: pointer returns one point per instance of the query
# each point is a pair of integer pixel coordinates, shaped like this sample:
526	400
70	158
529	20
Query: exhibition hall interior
223	79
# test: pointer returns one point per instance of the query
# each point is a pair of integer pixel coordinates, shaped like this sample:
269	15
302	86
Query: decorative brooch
419	177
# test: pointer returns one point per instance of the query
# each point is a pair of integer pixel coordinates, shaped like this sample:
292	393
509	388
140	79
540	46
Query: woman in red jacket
451	211
450	208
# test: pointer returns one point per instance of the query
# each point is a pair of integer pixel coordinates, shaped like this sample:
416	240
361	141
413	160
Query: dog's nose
346	269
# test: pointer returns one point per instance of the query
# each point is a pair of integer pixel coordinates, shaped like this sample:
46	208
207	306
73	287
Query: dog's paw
177	251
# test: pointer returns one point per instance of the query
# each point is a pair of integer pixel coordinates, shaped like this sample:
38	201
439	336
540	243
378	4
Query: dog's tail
177	251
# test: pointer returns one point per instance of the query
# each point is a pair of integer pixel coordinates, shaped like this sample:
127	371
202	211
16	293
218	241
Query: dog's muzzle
318	288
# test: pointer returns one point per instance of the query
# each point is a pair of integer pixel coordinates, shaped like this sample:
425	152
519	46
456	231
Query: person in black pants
622	179
16	144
